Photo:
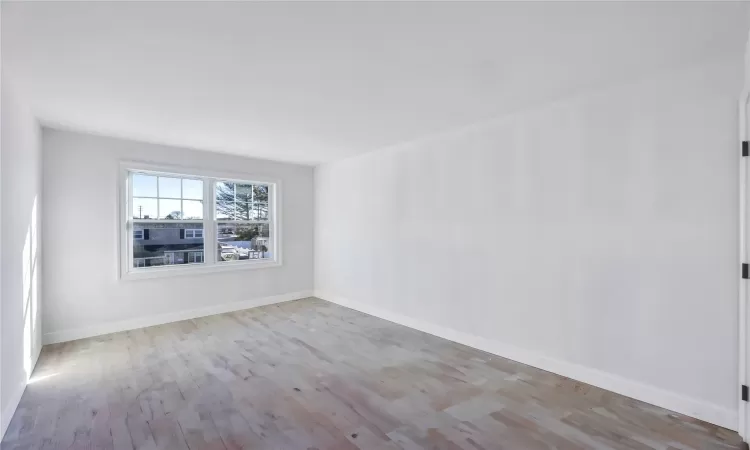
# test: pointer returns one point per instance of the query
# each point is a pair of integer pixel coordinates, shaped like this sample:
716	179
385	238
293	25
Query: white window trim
126	271
193	232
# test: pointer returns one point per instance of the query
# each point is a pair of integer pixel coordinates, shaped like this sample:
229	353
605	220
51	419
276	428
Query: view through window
173	217
242	221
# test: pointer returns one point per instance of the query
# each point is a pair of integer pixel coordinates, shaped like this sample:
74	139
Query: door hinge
745	151
745	271
744	392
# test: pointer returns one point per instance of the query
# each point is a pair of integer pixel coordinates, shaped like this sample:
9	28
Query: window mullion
129	223
158	213
209	224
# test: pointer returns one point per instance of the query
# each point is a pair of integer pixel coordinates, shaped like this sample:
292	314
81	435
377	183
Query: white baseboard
708	412
132	324
7	412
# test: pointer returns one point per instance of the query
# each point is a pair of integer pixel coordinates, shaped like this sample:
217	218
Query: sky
160	195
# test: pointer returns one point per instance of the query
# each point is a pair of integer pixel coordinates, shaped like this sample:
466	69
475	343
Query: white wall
594	237
20	259
82	293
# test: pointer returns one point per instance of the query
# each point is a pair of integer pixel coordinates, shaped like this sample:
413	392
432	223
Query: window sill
196	269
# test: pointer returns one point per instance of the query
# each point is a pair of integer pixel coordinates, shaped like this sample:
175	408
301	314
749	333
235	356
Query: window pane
192	209
243	211
144	185
144	208
241	201
166	244
260	193
170	209
244	193
243	242
169	187
224	200
225	211
260	211
192	189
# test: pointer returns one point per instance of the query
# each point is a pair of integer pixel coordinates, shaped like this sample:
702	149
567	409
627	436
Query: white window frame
126	269
195	233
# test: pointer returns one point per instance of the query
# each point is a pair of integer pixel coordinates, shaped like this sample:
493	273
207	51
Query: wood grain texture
309	374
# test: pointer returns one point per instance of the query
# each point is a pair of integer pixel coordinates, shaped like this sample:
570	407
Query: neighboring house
162	244
166	244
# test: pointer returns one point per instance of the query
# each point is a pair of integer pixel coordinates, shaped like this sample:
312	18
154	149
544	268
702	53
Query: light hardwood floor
309	374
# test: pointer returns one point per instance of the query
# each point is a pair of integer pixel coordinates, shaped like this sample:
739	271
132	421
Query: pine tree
242	201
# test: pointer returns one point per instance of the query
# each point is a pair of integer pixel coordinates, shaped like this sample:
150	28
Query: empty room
374	225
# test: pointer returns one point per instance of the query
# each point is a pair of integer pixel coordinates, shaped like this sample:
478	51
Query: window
171	217
193	234
241	202
166	197
242	221
195	257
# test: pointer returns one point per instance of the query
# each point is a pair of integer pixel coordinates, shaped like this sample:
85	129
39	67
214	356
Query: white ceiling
312	82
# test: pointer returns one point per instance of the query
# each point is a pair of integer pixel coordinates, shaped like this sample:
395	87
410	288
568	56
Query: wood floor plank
309	374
